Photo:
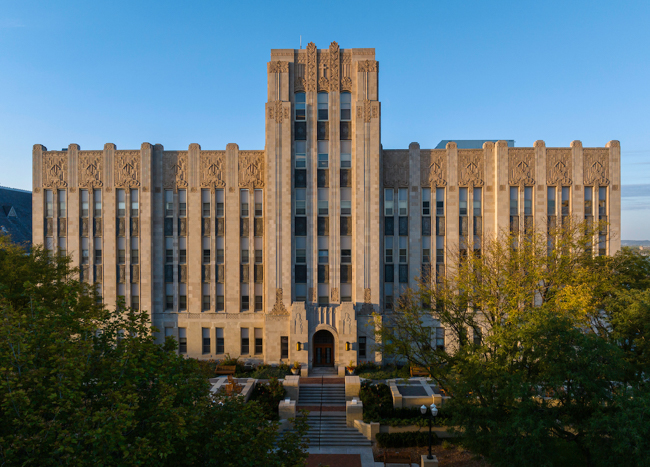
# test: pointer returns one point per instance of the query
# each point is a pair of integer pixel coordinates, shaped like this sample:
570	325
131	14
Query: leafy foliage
268	396
406	439
82	385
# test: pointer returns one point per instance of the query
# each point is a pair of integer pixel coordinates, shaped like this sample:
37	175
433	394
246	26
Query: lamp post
432	415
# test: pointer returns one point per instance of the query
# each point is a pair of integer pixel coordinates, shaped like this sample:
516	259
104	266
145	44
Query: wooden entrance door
323	349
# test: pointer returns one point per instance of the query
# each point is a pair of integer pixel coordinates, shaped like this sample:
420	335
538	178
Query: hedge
405	440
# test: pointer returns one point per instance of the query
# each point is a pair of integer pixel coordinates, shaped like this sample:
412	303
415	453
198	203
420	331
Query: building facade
283	253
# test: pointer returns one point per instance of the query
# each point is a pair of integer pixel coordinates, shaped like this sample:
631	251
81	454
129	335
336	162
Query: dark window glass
389	226
389	273
300	131
300	178
403	226
301	226
301	273
403	273
362	347
284	347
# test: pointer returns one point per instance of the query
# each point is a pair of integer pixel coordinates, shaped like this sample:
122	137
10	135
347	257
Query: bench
419	371
225	370
397	458
232	387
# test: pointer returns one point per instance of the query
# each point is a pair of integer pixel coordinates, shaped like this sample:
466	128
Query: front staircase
326	405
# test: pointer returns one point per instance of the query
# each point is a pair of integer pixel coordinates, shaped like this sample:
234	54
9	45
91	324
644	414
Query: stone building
283	253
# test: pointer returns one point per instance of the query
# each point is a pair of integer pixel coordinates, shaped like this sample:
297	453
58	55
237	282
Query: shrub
405	440
268	396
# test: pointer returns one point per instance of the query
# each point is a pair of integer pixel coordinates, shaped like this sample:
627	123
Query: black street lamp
432	414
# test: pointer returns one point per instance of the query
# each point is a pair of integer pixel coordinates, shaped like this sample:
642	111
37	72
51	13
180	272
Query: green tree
83	385
531	381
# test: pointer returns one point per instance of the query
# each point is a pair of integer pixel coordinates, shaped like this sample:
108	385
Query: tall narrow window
244	203
403	201
346	106
528	201
476	201
589	209
97	199
323	202
206	250
566	198
182	250
206	298
98	251
205	203
135	252
346	154
182	203
182	340
121	250
362	346
426	249
206	340
388	249
259	347
440	201
300	106
169	203
403	250
346	201
244	250
221	348
169	297
84	251
62	203
220	203
84	202
440	250
301	250
301	202
426	202
462	201
121	203
134	203
323	106
389	203
323	154
514	201
220	297
245	347
169	251
245	298
258	203
301	154
182	297
550	201
602	202
284	346
49	203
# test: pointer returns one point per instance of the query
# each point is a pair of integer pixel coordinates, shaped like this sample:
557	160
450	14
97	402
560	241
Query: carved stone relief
323	84
90	169
298	324
49	227
396	168
251	169
135	274
596	166
367	308
278	307
471	167
84	226
122	273
55	170
135	227
212	169
335	59
559	167
433	168
312	68
63	227
121	227
521	166
335	295
368	111
367	65
182	226
127	169
346	83
175	169
279	67
277	113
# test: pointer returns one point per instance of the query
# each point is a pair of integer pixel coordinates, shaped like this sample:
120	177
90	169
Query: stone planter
295	371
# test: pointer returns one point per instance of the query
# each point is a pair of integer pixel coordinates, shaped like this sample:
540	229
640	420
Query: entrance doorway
323	348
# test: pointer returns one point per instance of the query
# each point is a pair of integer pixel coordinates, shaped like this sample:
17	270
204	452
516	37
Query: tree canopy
83	385
546	348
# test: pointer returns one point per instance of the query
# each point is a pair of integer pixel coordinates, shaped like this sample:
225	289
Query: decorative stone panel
206	273
63	227
244	273
182	273
127	169
220	274
396	168
259	227
182	227
213	169
121	227
49	227
596	166
206	226
559	167
135	274
278	307
97	226
334	296
251	169
243	227
312	69
278	66
55	170
99	274
221	227
84	226
367	66
433	168
368	110
135	227
90	168
277	111
521	166
259	274
335	60
471	167
175	169
121	273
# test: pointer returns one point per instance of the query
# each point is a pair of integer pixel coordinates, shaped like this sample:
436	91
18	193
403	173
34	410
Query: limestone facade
253	252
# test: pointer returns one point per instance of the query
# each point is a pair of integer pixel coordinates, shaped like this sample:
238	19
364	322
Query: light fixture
347	346
298	346
434	410
423	409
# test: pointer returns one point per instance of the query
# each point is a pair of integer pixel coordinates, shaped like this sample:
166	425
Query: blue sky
177	73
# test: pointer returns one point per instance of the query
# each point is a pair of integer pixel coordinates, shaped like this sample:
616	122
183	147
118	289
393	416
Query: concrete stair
329	429
326	395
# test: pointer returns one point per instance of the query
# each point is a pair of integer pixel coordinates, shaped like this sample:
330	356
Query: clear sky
175	73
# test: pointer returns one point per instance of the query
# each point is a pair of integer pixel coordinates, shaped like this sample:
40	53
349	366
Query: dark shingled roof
471	143
16	214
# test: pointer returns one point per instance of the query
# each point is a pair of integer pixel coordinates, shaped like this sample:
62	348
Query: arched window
346	106
300	106
323	107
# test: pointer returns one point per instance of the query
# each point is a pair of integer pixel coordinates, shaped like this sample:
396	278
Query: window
182	203
426	201
62	246
426	249
84	202
388	296
121	251
346	154
388	249
206	340
403	250
346	256
602	201
389	203
301	200
169	250
206	250
258	301
566	195
259	252
245	303
300	107
220	299
301	250
440	249
220	203
301	292
301	158
182	340
323	203
244	203
346	106
323	154
220	341
135	252
84	251
346	202
476	201
206	298
462	202
440	338
134	203
322	106
362	346
346	292
323	256
403	201
98	251
258	203
62	206
121	203
245	349
528	201
182	251
284	346
244	250
589	209
258	341
169	297
205	203
550	201
220	250
97	198
169	203
49	209
514	201
182	297
440	202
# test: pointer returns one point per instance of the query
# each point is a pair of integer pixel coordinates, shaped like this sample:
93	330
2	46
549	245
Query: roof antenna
301	42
